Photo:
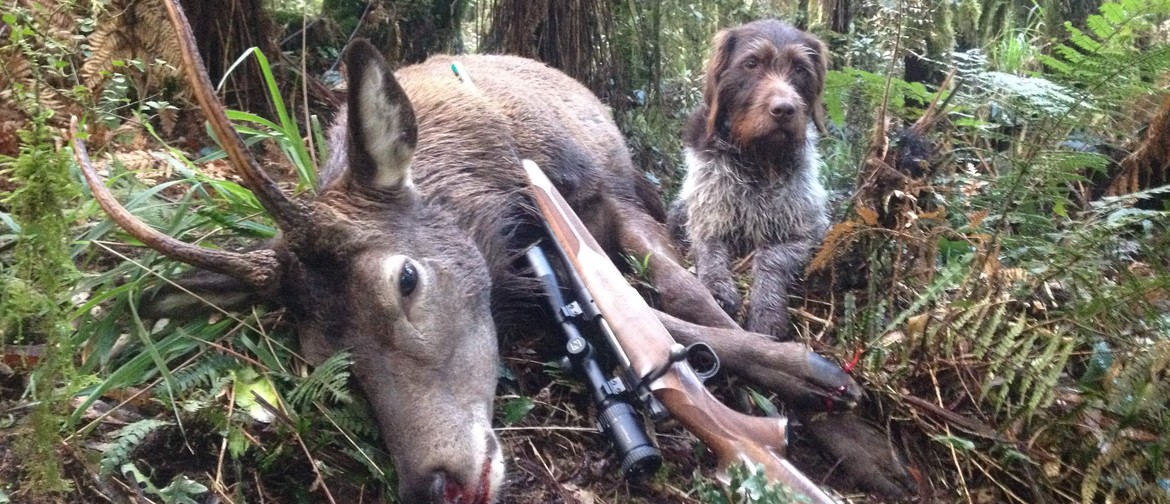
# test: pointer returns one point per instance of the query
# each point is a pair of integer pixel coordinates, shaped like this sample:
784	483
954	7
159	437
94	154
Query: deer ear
382	128
200	293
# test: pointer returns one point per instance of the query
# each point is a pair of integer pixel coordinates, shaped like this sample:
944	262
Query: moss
34	289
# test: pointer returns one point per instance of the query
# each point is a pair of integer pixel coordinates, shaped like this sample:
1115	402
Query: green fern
1131	466
988	331
209	373
329	380
1111	57
126	440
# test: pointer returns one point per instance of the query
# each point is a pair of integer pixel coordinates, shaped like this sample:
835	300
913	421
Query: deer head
368	266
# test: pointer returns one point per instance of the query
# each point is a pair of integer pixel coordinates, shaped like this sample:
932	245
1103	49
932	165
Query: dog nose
782	108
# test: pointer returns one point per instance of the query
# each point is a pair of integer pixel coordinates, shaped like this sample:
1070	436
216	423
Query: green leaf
515	409
181	490
249	388
763	403
958	443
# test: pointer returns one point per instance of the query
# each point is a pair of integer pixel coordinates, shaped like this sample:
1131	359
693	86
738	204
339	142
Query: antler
288	214
258	268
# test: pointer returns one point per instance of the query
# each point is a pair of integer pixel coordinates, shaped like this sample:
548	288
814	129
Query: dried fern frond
132	30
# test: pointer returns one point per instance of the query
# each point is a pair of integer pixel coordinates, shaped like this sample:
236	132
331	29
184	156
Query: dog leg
713	262
773	269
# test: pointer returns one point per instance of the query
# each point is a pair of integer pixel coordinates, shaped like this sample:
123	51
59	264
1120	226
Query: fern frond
125	440
210	372
1000	371
355	418
1031	367
1043	392
328	381
838	238
986	335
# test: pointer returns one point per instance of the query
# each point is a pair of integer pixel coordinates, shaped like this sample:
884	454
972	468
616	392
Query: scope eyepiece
640	458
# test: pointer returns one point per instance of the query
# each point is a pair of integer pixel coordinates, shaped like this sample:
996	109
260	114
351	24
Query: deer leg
802	378
682	294
862	452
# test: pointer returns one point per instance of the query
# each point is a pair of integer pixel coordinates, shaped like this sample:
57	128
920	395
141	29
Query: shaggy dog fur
752	183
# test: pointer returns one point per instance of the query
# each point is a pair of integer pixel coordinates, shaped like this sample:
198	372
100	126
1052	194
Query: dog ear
822	69
721	48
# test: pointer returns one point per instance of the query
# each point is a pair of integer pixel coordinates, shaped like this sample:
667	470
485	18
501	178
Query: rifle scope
616	417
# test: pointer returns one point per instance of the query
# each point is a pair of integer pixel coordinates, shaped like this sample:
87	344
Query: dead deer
408	255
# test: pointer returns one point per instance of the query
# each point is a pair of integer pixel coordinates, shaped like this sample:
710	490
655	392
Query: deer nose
438	488
446	489
782	108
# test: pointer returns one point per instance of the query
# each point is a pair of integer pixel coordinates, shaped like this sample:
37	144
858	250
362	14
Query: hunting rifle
655	364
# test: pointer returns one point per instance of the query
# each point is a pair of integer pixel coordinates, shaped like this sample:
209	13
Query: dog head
764	84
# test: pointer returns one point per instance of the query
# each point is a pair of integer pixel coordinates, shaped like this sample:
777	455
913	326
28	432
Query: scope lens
640	458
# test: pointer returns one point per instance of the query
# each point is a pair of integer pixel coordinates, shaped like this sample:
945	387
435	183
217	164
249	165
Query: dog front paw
727	297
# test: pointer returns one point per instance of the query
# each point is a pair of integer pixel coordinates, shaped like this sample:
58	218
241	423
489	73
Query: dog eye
408	280
750	63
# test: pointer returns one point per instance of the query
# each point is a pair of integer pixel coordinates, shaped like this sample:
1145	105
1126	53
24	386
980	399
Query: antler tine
288	214
258	268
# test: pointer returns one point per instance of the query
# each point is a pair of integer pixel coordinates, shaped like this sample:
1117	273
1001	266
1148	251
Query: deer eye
408	280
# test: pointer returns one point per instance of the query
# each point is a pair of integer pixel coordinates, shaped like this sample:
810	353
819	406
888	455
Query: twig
352	34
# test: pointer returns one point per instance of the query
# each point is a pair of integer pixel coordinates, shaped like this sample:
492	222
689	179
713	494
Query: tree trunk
224	29
1148	166
406	31
570	35
935	36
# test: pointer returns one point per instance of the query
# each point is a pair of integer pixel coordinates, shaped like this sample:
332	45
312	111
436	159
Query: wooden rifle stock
733	436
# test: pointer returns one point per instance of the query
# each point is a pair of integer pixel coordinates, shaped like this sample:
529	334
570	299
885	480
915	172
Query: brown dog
752	183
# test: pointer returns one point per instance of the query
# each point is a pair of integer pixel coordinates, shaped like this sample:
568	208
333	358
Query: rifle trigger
677	353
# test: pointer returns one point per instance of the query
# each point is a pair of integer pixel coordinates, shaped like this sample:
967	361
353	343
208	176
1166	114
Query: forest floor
555	453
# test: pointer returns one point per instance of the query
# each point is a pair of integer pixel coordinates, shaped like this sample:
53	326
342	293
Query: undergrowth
1013	317
35	290
1012	322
